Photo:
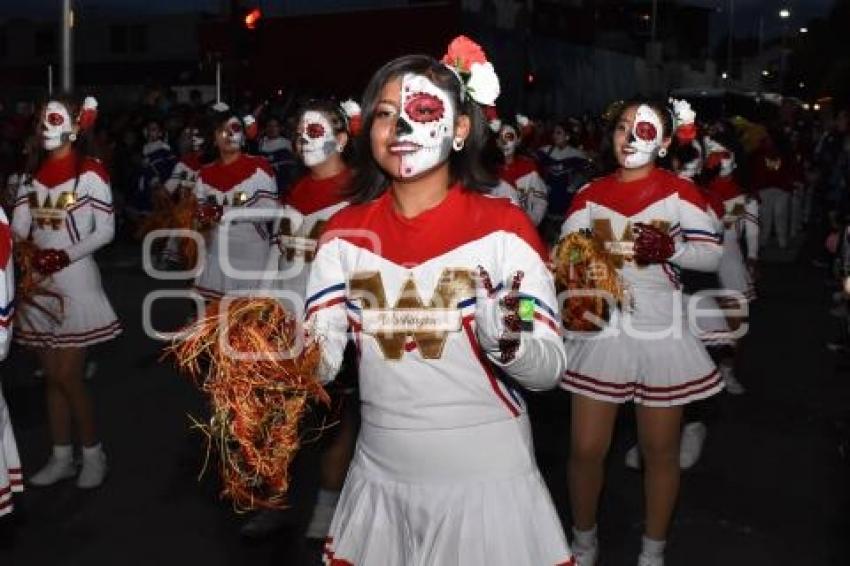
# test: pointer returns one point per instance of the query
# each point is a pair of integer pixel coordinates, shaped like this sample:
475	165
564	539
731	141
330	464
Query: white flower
683	112
495	125
522	120
483	84
249	120
351	108
89	103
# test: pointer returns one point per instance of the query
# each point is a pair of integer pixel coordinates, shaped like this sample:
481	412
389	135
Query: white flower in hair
483	84
522	120
495	125
351	108
683	112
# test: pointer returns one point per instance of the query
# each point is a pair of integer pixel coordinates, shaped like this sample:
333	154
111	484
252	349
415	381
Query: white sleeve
99	201
538	196
541	359
325	315
699	247
21	215
7	286
751	227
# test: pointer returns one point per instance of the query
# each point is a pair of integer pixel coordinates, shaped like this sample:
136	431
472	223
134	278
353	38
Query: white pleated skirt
11	478
650	357
451	497
83	317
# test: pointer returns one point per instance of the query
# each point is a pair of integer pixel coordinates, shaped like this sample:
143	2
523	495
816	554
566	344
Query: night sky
748	12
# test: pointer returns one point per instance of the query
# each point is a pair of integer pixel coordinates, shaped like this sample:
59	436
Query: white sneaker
585	554
55	470
94	470
320	522
633	458
733	386
690	449
654	560
90	371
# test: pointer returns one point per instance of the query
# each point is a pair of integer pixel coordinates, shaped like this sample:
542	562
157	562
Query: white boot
59	466
94	468
733	386
690	449
652	552
633	458
323	514
585	547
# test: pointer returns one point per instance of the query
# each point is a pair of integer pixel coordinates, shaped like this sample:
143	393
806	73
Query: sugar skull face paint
508	140
424	128
232	134
56	126
316	140
645	139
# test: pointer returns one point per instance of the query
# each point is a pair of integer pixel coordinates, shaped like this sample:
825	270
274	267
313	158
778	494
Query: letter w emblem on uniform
295	246
428	325
621	250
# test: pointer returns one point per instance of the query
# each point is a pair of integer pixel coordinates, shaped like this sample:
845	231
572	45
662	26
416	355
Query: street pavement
770	489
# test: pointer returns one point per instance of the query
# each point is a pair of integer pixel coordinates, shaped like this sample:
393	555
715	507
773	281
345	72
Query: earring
662	153
458	143
72	137
340	148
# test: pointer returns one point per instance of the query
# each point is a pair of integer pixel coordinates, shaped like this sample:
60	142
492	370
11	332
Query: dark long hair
83	146
465	166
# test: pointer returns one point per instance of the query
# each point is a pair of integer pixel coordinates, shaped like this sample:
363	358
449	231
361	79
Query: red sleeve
5	244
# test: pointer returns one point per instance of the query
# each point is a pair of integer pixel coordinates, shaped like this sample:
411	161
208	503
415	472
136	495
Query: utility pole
730	46
67	33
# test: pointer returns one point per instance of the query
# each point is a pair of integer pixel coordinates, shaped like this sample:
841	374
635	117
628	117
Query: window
118	39
45	42
128	39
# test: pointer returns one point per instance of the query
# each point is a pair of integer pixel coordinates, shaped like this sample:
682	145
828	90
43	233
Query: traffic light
252	18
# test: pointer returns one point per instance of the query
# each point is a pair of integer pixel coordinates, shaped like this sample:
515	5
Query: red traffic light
252	18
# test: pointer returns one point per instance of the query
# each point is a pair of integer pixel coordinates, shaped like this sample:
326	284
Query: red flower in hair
462	53
687	133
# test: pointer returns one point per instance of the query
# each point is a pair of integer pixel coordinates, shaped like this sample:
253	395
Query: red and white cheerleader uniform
740	223
185	173
11	479
248	182
647	354
307	208
68	206
533	194
444	471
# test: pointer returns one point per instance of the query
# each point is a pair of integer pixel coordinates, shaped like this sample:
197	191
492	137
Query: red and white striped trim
328	557
495	383
617	392
68	340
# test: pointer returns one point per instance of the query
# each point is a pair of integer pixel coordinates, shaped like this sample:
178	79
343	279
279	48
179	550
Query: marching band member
521	172
64	207
11	477
652	223
445	291
234	181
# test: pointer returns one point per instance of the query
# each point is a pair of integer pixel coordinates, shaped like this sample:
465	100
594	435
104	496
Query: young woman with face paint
426	272
652	223
233	182
323	144
521	172
64	207
11	477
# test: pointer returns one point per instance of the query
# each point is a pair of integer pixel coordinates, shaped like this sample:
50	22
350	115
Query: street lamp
804	30
784	13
